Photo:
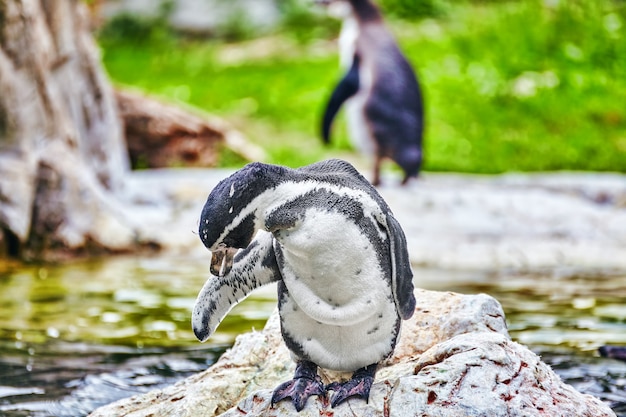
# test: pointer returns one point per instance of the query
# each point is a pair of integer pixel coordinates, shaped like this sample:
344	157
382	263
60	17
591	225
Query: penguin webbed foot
305	383
358	386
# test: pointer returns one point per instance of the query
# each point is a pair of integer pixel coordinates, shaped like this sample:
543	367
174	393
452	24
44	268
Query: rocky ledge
454	358
524	222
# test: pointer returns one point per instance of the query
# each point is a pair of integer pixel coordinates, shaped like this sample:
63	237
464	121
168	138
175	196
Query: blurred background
526	85
509	86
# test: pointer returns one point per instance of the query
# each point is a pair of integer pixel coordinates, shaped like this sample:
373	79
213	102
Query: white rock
454	358
201	15
525	222
462	222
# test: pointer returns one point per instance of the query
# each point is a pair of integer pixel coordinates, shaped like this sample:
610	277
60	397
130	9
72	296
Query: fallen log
162	135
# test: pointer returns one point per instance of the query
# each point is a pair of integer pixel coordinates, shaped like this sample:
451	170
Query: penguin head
338	9
228	221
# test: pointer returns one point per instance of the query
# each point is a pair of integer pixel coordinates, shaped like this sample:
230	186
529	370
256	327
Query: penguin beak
222	260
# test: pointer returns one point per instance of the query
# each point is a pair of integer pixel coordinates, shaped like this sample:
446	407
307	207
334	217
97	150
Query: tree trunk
62	152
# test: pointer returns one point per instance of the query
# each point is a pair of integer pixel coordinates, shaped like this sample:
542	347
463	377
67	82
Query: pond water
74	337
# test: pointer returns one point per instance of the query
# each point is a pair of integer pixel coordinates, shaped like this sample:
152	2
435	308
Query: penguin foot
304	384
615	352
358	386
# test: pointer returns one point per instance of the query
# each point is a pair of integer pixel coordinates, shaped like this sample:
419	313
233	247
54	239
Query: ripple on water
74	337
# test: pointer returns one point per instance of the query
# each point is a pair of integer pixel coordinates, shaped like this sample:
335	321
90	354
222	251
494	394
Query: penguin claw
299	390
358	386
305	383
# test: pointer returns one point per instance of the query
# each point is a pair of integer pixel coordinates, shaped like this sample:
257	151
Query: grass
523	85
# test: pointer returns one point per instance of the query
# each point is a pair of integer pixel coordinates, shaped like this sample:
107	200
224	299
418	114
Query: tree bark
62	152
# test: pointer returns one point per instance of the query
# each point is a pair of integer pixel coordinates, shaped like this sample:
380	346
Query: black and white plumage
382	96
338	255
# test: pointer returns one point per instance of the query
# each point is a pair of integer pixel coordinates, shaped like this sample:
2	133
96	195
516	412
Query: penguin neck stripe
288	190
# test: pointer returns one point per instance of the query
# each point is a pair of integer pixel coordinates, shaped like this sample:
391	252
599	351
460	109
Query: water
74	337
564	316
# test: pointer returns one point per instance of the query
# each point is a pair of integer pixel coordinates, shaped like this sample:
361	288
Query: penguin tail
410	160
327	122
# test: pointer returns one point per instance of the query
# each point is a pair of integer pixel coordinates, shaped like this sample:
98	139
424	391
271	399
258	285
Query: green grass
509	86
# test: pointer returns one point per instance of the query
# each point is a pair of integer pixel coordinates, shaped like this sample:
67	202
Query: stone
199	16
528	223
454	358
521	222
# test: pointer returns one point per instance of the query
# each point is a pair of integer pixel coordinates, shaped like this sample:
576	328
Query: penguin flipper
253	267
402	276
347	87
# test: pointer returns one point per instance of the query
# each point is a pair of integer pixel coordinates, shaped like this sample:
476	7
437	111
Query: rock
454	358
565	222
161	135
524	222
200	16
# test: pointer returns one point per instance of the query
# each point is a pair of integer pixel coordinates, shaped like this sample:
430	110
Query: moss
229	158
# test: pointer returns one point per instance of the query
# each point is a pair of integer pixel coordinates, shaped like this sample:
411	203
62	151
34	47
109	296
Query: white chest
360	135
331	269
347	41
339	306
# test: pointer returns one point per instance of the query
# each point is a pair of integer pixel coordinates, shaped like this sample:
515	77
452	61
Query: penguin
338	255
383	99
615	352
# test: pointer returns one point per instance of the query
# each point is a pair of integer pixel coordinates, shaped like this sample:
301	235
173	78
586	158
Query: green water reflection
551	310
71	333
147	302
129	302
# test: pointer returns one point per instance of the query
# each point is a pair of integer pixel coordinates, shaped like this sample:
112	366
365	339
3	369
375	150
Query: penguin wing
347	87
402	276
253	267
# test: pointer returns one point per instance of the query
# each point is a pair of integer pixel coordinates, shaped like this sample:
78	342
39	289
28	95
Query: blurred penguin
382	95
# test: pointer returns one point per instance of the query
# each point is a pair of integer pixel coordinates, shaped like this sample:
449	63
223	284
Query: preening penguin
338	255
383	99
